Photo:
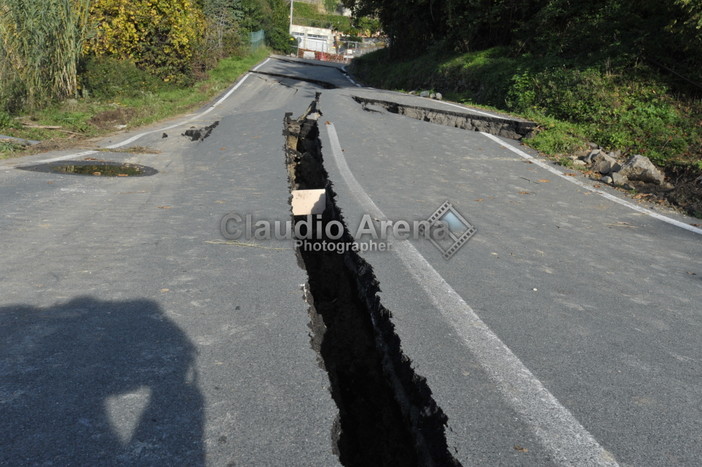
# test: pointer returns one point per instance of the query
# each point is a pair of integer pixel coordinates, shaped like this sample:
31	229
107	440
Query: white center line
566	440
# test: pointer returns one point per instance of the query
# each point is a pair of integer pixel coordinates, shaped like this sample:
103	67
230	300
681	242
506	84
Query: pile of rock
634	171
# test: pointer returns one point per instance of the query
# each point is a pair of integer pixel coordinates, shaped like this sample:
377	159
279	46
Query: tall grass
40	45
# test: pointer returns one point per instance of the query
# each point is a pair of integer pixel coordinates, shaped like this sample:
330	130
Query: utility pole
291	16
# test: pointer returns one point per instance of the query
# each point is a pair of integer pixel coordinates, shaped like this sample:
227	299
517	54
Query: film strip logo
459	229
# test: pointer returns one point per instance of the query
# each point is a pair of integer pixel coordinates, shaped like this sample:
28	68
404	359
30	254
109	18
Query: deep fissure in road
387	415
512	128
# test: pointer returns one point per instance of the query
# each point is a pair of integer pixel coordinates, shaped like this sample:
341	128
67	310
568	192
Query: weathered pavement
133	334
566	331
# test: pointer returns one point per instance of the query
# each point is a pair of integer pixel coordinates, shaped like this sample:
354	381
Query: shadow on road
91	382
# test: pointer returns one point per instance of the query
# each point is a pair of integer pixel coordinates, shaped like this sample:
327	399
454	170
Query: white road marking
61	158
170	127
348	77
470	109
604	194
261	64
566	440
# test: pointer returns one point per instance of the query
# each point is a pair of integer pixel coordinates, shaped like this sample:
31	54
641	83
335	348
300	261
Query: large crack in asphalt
318	82
387	415
499	126
340	69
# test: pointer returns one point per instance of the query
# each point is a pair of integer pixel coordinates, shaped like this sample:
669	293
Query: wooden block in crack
308	202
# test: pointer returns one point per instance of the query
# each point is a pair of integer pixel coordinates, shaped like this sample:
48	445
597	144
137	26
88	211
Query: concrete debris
636	168
640	168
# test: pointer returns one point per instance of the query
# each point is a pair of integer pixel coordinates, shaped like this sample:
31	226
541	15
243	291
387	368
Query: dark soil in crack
685	197
687	194
387	415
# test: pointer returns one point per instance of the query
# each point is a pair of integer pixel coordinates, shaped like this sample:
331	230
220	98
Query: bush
107	77
5	120
158	35
581	96
280	41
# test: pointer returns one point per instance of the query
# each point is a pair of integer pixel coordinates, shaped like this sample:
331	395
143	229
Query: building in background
310	38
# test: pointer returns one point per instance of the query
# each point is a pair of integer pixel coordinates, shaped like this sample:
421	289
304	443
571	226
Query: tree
272	17
223	35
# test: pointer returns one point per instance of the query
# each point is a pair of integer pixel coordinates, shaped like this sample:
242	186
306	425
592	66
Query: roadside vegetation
71	69
625	75
633	110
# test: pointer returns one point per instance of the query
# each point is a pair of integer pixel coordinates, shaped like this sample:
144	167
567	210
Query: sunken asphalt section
565	332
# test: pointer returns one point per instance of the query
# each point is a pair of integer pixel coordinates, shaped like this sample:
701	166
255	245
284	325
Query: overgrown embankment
76	68
633	109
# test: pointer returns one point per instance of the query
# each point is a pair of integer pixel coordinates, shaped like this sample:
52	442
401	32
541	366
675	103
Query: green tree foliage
273	17
223	35
667	32
691	21
308	14
411	25
686	28
479	24
331	5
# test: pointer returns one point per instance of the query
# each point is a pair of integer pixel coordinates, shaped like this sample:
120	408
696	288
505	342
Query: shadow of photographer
91	382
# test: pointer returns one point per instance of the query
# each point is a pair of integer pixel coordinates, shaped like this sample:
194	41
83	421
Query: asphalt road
566	331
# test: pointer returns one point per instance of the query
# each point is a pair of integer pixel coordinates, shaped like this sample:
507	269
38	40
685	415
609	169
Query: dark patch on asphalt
93	168
505	127
324	84
387	415
199	134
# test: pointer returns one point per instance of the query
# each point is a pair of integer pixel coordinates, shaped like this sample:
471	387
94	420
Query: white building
309	38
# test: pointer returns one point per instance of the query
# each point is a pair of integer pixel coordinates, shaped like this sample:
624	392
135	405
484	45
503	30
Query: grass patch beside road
141	104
